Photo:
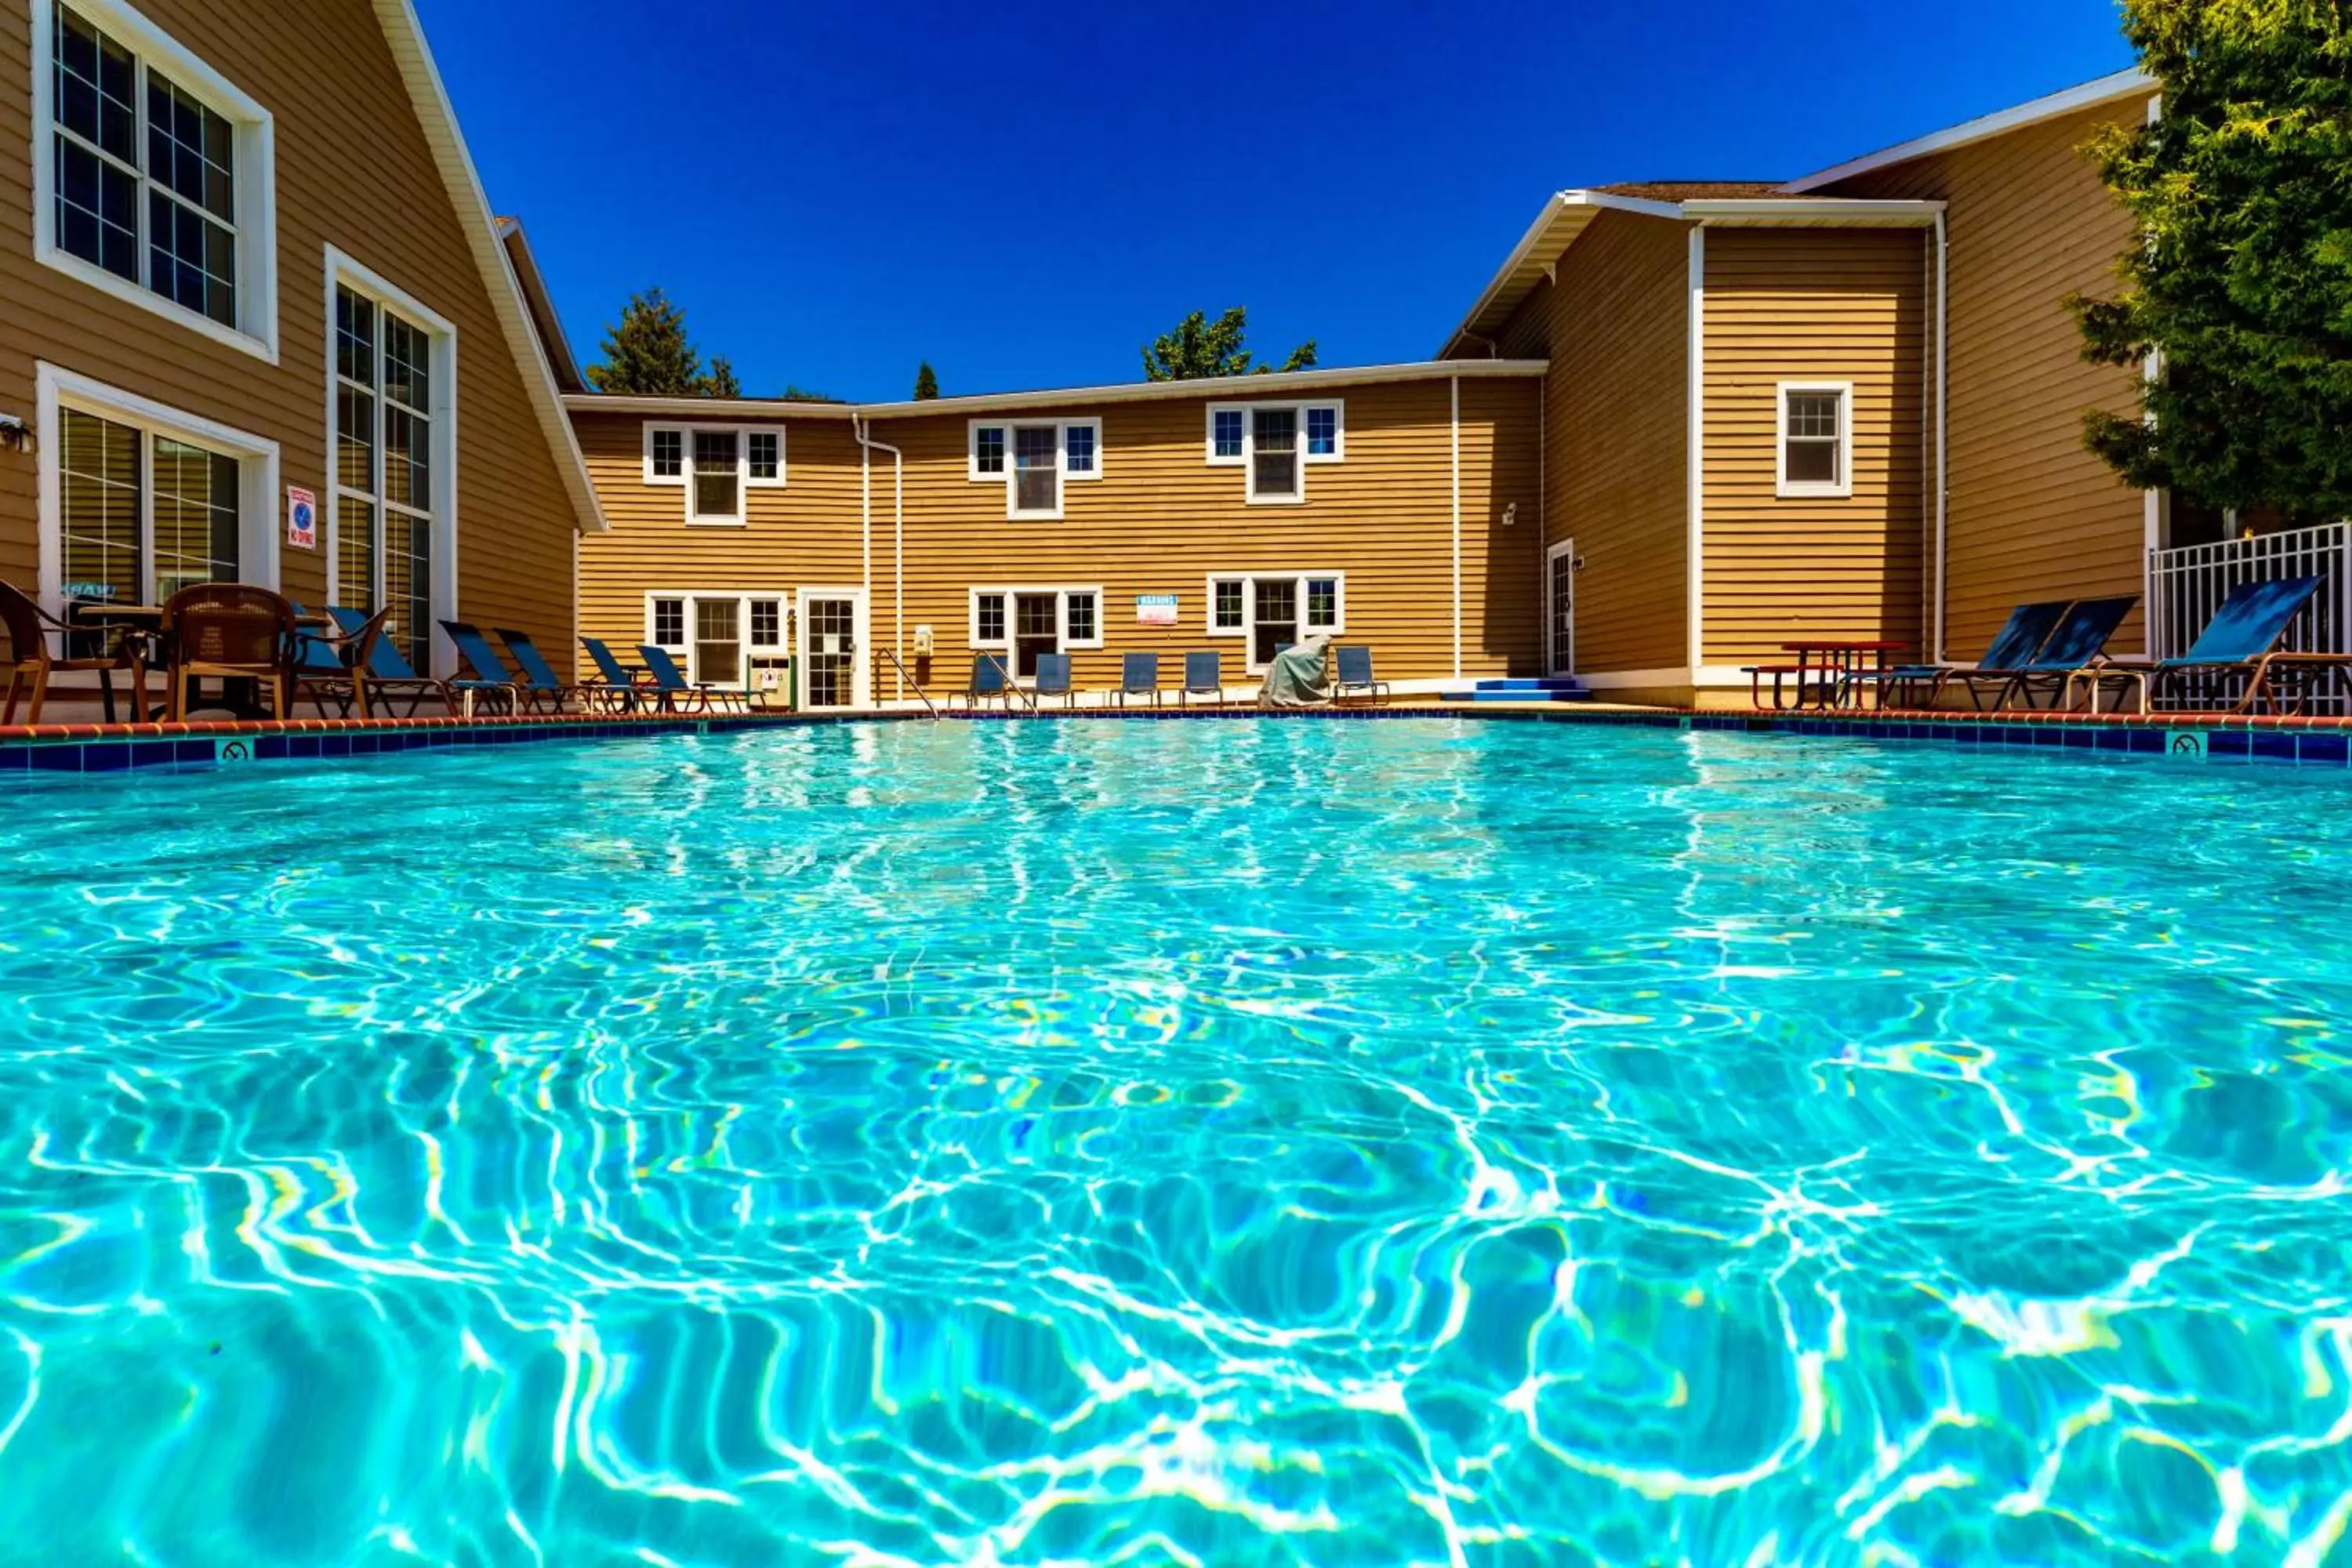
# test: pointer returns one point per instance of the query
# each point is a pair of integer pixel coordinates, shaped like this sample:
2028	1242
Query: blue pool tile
56	759
2273	745
15	759
2235	744
105	757
2325	750
2082	737
329	745
191	751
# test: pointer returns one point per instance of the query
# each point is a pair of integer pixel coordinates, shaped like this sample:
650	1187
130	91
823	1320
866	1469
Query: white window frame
343	272
1247	462
1800	489
1062	641
256	331
258	472
747	650
1247	630
744	482
1063	477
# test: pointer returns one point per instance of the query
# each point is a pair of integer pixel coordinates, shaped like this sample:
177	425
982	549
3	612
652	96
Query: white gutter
1456	437
1943	427
898	548
1696	568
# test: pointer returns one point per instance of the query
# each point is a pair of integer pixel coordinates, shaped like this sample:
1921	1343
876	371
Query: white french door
833	667
1559	608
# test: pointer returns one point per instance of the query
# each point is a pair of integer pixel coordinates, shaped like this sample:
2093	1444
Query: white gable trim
2090	95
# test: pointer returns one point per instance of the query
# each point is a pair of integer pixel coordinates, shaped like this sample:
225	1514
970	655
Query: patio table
139	624
1835	662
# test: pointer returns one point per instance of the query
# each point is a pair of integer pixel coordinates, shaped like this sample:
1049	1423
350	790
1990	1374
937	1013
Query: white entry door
834	672
1559	608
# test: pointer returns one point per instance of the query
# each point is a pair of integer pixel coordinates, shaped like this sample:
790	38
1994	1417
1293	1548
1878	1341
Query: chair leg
16	683
40	692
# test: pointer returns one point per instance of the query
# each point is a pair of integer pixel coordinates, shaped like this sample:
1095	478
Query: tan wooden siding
1616	326
1822	305
1160	519
805	534
354	170
2033	515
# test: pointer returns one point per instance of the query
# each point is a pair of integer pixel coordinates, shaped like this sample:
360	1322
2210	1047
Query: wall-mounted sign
301	519
1155	609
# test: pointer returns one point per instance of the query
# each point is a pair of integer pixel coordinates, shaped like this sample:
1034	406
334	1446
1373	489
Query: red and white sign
1155	609
301	519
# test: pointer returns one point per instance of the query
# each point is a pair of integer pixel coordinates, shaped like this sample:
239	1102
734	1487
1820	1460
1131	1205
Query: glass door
1559	609
831	627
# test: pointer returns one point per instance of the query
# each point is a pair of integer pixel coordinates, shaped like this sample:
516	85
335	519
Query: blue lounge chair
2073	646
2014	646
324	663
539	677
1139	676
670	684
384	672
1203	672
990	679
1355	674
1053	678
616	682
491	680
2239	644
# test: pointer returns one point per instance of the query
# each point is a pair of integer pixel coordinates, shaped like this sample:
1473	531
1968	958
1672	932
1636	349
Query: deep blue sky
1024	194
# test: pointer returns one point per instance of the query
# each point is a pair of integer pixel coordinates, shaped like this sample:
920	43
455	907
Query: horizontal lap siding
1616	327
1812	305
1160	519
354	170
805	534
2033	515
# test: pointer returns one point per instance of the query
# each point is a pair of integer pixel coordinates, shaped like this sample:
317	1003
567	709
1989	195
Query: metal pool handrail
908	676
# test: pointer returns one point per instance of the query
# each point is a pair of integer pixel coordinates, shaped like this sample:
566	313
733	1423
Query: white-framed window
153	176
1027	621
728	637
715	465
392	494
1274	610
1275	442
1816	438
1032	458
138	501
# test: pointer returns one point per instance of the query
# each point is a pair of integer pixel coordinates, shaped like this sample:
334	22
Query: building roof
1235	388
1567	214
544	318
2090	95
435	114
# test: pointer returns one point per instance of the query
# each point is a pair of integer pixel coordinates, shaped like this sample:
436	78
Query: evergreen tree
2240	280
648	354
926	383
1200	349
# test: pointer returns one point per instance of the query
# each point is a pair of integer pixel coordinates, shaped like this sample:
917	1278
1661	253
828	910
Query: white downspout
1943	427
1696	436
1454	382
867	445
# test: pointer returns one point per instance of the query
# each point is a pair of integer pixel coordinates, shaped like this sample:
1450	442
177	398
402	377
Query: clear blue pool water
1219	1144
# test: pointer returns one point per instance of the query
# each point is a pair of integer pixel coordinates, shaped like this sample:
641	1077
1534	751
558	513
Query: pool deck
85	745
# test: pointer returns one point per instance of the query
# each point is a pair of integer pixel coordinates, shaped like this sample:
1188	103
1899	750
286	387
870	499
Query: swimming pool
1233	1143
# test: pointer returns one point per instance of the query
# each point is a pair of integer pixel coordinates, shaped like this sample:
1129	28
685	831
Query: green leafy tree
2240	283
803	395
1199	349
648	354
926	383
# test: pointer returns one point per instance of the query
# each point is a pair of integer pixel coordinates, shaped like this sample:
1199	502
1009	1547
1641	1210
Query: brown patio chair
29	630
234	631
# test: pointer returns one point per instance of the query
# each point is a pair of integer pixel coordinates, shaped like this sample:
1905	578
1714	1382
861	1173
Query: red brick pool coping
36	734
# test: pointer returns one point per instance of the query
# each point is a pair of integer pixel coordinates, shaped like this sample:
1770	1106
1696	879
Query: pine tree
2240	279
648	354
1200	349
926	383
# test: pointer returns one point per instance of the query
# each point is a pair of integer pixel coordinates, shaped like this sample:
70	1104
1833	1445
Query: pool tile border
2324	742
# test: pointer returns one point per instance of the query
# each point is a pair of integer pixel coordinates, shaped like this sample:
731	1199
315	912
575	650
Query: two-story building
246	260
